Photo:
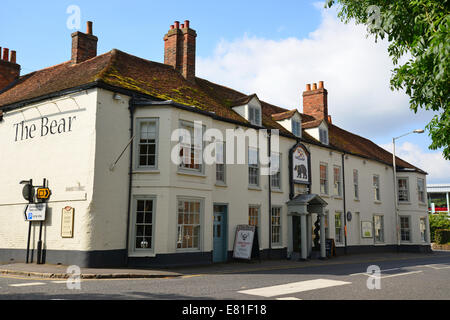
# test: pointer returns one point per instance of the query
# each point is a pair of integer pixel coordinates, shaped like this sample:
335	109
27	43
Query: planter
436	246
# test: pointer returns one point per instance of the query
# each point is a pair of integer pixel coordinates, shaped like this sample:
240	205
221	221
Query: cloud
433	163
356	71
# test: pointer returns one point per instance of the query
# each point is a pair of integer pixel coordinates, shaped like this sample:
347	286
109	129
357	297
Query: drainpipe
269	134
131	108
345	208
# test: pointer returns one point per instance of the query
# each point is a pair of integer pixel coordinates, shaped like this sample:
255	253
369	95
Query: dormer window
254	115
323	136
296	128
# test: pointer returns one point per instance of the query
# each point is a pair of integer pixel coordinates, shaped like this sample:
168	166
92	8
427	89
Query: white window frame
200	224
355	184
406	229
341	228
381	238
254	115
326	191
279	225
296	127
376	187
404	190
421	191
222	165
190	126
277	176
252	167
337	182
137	144
323	136
151	247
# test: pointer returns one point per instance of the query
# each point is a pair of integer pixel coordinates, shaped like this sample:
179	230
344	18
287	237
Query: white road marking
399	274
27	284
59	281
368	274
294	287
288	298
434	266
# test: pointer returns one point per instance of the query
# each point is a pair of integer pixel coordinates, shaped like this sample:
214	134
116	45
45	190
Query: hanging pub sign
299	167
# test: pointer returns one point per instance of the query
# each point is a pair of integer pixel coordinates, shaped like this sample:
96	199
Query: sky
271	48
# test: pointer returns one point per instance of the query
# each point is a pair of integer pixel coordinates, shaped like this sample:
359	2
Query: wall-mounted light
116	96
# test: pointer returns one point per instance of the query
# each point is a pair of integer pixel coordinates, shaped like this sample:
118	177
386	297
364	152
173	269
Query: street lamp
395	182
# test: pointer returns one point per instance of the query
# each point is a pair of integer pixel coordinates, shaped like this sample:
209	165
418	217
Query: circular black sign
349	216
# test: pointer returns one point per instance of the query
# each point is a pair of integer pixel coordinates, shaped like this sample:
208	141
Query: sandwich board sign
36	212
243	242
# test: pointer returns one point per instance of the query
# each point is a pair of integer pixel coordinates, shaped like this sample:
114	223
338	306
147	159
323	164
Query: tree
438	221
418	31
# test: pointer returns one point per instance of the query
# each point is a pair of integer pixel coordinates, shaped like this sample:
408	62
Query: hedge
442	236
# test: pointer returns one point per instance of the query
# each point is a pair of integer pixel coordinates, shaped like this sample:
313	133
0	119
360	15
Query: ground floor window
188	236
143	224
338	227
423	229
253	215
378	224
405	231
276	225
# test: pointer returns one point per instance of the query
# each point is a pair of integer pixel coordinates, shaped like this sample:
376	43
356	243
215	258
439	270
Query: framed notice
67	222
366	229
243	242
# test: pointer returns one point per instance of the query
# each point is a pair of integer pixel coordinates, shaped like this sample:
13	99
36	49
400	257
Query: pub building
103	130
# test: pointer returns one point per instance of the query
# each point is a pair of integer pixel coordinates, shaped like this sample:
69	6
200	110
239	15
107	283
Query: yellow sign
43	193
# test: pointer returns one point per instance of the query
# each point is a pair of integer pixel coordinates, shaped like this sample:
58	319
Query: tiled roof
311	124
284	115
119	69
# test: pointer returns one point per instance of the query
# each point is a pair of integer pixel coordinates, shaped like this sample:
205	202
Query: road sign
36	212
43	193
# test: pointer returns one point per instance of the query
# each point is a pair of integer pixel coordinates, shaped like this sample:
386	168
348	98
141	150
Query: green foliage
418	31
438	221
442	236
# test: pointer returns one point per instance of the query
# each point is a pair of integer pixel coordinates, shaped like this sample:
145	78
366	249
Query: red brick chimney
315	102
179	49
84	45
9	69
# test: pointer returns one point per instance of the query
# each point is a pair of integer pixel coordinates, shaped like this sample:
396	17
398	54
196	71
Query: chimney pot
186	23
320	84
171	27
182	26
13	56
5	54
308	87
314	86
177	25
329	119
0	53
89	27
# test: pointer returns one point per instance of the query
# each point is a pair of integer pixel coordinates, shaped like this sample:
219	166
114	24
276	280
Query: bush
438	221
442	236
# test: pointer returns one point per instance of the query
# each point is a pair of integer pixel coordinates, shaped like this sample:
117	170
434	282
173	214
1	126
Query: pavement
49	271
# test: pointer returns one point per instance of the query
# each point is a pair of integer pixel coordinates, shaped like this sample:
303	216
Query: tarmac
49	271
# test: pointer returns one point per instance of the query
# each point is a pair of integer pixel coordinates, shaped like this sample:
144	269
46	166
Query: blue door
219	234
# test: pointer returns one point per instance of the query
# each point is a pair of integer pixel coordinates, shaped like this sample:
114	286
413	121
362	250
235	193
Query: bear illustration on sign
301	171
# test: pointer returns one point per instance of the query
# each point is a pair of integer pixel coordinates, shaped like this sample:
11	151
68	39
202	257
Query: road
417	278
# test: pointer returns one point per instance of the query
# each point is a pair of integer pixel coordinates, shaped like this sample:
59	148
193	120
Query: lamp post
395	183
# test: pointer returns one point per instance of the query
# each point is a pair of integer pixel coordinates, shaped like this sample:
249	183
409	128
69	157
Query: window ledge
357	200
377	202
404	202
221	184
146	171
380	244
142	254
324	195
423	204
277	190
191	173
337	197
256	188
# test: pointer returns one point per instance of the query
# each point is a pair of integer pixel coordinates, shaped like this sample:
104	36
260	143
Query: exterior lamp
395	182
